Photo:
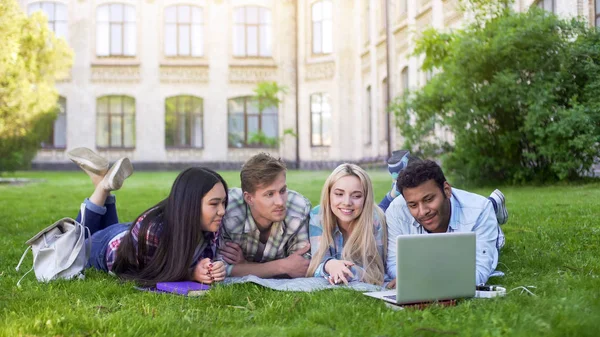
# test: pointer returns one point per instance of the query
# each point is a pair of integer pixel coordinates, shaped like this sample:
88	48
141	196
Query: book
186	288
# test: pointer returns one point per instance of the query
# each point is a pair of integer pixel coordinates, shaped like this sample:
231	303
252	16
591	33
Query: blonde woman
348	236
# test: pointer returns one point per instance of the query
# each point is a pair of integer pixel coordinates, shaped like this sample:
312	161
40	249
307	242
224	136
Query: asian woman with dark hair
174	240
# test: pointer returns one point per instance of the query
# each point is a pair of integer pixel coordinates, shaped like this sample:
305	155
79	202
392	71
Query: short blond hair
260	169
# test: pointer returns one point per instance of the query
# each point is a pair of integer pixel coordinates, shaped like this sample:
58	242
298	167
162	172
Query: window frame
249	100
122	115
189	115
320	113
123	24
178	25
268	26
322	21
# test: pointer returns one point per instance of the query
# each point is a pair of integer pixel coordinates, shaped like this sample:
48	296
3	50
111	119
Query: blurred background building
170	82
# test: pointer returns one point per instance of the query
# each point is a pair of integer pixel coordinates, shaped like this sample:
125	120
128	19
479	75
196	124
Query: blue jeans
100	242
102	221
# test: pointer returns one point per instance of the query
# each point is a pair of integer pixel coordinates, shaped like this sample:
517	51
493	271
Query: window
404	80
115	30
322	23
597	13
115	123
252	31
184	31
383	12
367	27
547	5
385	116
369	122
183	121
403	6
56	14
250	127
320	112
57	137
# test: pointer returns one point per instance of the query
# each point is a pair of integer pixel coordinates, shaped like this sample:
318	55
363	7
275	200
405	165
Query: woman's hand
338	271
203	270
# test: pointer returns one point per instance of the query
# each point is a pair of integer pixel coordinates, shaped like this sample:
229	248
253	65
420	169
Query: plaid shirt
285	238
206	249
336	250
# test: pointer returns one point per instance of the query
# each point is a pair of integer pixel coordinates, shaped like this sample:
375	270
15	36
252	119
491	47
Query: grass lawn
553	243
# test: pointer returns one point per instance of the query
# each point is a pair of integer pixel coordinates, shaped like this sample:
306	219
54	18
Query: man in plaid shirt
265	228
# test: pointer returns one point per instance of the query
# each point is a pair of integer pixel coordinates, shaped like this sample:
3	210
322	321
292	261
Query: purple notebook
186	288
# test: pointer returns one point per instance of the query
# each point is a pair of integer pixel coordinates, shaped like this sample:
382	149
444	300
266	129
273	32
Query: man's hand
217	271
296	265
232	253
338	271
392	284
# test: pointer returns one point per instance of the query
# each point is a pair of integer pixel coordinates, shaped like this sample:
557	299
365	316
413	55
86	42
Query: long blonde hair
361	246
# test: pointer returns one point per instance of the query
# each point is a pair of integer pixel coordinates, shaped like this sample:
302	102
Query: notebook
185	288
432	267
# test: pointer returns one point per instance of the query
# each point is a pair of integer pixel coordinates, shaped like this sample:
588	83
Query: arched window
115	30
115	122
251	31
320	112
248	126
57	138
184	121
322	27
184	34
56	14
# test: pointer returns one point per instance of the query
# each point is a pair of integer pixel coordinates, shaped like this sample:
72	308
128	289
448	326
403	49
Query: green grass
553	239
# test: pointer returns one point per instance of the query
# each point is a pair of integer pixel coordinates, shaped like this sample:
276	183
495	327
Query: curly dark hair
418	172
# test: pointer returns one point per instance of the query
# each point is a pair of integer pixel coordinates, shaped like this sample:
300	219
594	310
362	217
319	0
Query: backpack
58	250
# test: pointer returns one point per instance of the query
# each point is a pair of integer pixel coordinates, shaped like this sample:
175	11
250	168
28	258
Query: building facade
170	82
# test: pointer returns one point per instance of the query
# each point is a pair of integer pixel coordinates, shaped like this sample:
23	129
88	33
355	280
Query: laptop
432	267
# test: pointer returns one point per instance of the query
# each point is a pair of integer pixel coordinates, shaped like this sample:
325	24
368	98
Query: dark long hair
179	215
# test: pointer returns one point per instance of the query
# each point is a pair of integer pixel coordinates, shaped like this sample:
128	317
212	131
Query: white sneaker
501	213
89	160
114	178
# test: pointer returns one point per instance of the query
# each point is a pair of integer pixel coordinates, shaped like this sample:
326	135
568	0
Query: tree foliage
31	58
519	92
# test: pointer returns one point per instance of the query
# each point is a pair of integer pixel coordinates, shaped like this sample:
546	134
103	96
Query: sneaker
89	160
114	178
501	212
397	162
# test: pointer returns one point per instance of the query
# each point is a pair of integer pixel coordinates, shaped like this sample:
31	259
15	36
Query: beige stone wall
358	61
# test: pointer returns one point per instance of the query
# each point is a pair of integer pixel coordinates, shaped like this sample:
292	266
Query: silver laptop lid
435	267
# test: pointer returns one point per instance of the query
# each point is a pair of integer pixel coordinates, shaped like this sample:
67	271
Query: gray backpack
59	251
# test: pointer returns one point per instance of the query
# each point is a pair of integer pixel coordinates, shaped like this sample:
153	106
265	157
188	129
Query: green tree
518	91
31	58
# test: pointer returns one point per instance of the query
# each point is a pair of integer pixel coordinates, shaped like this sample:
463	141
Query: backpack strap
19	266
22	258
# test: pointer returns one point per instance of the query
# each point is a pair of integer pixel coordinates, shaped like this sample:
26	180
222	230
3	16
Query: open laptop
432	267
